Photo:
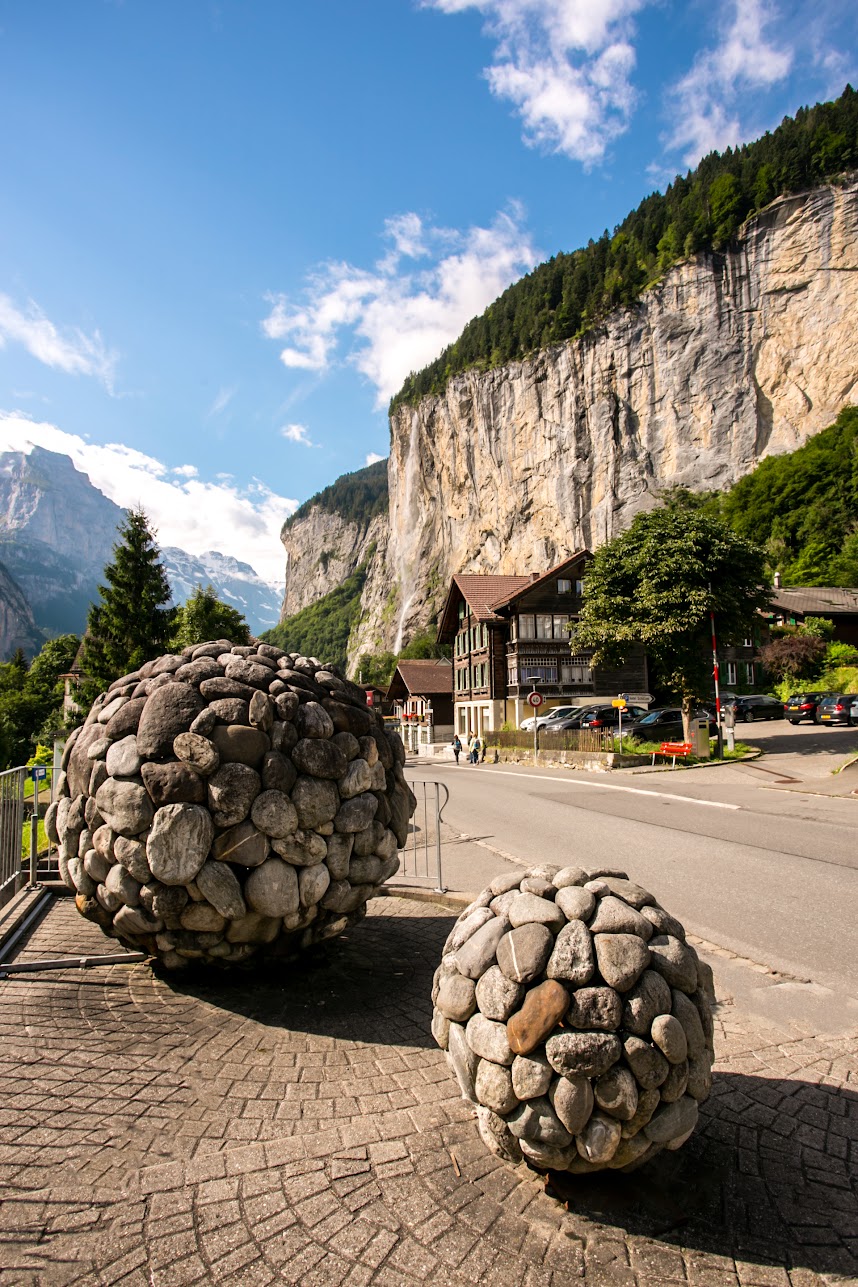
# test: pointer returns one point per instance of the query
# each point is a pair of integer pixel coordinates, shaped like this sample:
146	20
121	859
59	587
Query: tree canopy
204	616
322	629
656	583
31	698
702	210
132	621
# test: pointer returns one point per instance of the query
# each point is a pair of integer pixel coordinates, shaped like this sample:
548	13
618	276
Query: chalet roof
432	677
538	580
484	595
815	601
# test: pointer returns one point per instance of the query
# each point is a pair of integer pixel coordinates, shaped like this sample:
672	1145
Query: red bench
681	749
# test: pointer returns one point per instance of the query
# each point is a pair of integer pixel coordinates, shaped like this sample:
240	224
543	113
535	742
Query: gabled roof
484	595
423	678
818	600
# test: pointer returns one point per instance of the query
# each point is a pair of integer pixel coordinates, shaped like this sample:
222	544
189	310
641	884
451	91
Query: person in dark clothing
457	747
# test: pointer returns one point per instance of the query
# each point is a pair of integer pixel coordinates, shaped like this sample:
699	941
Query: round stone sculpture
227	804
576	1019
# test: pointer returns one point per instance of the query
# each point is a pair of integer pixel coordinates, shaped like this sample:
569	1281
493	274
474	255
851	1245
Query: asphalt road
748	860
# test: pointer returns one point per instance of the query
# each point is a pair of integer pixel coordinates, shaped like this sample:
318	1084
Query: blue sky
228	230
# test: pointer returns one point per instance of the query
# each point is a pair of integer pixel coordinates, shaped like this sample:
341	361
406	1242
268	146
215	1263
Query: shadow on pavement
766	1179
371	984
809	739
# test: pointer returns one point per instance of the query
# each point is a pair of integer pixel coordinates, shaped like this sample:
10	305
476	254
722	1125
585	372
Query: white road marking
615	786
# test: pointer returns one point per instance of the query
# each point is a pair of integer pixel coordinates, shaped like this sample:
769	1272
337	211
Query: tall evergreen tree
133	620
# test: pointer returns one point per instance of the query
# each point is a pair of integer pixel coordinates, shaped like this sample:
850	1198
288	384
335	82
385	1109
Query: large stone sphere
229	803
576	1019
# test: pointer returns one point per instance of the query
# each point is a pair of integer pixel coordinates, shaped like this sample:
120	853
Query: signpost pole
534	701
715	676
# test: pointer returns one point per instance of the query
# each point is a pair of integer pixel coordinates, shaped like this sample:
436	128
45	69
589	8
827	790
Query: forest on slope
357	497
703	210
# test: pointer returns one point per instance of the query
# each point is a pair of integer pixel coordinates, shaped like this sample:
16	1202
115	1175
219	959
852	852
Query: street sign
620	703
38	771
535	699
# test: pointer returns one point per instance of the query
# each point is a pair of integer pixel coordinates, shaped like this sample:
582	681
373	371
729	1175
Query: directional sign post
534	701
620	703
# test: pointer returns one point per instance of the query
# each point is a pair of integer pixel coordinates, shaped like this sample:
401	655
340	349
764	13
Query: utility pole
715	677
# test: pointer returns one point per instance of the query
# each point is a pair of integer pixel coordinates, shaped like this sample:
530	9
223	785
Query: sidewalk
308	1131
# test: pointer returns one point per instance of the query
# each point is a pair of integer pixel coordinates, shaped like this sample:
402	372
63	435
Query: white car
556	712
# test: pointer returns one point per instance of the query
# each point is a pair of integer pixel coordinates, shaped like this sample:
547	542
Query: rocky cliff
731	357
322	550
17	627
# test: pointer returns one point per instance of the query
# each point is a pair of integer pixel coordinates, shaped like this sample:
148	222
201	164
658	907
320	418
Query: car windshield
656	717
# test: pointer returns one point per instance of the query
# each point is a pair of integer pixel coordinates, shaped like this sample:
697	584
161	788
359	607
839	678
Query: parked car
756	706
665	725
556	712
836	708
600	717
803	706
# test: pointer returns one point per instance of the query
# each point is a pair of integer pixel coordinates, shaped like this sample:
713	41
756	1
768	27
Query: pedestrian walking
474	748
457	747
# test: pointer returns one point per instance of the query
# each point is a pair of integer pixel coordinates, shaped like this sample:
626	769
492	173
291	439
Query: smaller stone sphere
576	1019
229	804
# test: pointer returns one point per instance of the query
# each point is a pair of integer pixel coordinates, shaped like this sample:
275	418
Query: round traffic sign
535	699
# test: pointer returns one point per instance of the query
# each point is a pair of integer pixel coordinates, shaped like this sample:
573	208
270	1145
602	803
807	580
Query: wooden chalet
510	635
420	696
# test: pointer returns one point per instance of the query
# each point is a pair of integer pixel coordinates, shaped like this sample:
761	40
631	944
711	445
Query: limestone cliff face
730	358
322	550
17	627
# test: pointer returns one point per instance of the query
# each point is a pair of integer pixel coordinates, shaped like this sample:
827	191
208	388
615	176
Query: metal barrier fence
22	857
421	858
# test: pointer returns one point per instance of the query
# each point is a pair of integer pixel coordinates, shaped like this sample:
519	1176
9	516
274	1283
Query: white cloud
223	399
373	458
298	433
565	64
704	103
401	314
73	352
186	471
190	513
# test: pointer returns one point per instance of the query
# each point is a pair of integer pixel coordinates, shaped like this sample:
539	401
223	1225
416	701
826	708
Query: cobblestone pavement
163	1133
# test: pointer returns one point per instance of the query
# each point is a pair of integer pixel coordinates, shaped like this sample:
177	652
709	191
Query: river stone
135	921
315	800
572	1100
278	773
357	778
648	1102
351	748
503	884
497	1136
493	1087
261	712
200	753
227	710
103	840
462	1060
488	1040
531	1074
303	849
686	1012
599	1139
597	1009
312	720
364	871
174	783
125	806
527	909
121	883
536	1120
287	706
675	1083
95	866
622	959
649	997
313	884
218	883
98	776
663	923
573	959
203	918
584	1054
272	889
699	1082
498	996
635	895
167	713
522	954
357	814
240	744
274	814
669	1035
538	885
132	855
253	928
319	759
568	876
177	845
457	1000
112	708
242	844
675	961
163	901
200	668
613	916
247	672
672	1120
646	1062
476	955
123	759
339	855
616	1093
231	792
544	1007
577	904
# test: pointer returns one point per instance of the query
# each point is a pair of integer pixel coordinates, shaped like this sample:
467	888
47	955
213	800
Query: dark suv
756	707
802	706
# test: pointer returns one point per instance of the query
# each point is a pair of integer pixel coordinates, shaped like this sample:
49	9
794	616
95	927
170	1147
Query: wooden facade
510	635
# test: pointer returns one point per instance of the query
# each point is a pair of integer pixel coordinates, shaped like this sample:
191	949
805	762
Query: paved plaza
305	1129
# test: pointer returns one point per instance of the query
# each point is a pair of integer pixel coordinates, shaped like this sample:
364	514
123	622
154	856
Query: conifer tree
133	620
204	616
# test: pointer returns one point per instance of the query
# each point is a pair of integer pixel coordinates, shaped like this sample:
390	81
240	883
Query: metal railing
12	813
420	860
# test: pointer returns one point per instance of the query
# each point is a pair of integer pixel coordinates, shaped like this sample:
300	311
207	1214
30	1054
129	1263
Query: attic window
564	586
